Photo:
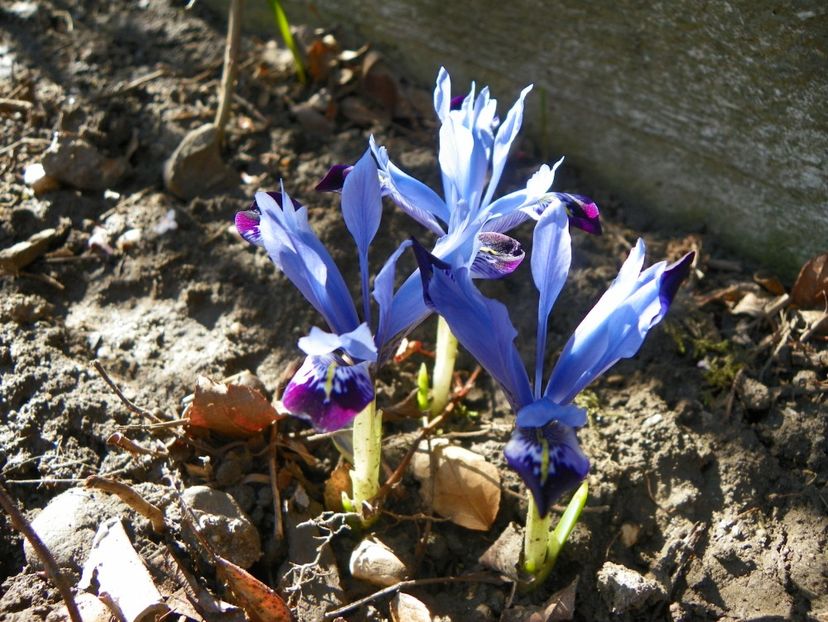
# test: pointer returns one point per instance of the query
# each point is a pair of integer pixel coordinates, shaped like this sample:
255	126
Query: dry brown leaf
379	83
811	287
336	484
320	57
234	410
770	283
260	603
466	487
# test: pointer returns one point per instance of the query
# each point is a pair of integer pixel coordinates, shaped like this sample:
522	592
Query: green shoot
445	355
284	29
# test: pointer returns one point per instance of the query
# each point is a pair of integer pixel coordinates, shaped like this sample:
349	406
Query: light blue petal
551	257
412	196
357	344
614	329
408	310
442	94
514	208
384	290
482	325
298	253
506	134
362	211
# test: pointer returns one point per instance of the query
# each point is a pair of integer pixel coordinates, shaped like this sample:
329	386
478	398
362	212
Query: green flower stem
445	356
536	538
367	454
567	523
542	547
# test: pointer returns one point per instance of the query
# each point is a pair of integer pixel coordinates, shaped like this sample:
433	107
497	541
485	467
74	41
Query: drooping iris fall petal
328	393
549	460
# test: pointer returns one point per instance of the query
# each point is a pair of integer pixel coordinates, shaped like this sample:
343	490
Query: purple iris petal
456	102
672	278
334	179
247	224
498	256
328	393
549	460
583	213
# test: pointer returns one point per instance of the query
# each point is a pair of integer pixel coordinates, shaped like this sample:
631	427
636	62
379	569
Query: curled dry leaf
260	603
234	410
559	608
811	287
336	485
466	488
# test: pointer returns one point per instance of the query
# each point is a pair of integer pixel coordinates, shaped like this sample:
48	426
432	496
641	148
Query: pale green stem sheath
367	455
535	538
542	547
444	359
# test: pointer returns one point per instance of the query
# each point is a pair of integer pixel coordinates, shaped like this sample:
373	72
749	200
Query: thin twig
278	524
228	76
391	589
129	404
132	498
20	523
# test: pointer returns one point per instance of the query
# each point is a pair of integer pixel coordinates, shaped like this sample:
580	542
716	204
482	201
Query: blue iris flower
335	381
469	221
544	448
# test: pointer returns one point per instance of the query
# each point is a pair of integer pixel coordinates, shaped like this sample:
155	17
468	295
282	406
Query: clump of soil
709	448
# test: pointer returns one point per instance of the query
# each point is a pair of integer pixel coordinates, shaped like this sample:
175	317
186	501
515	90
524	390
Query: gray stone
700	117
624	589
67	526
223	523
755	396
75	162
195	167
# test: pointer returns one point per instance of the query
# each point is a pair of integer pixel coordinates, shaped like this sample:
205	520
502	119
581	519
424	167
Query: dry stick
228	76
278	526
132	498
129	404
20	523
472	578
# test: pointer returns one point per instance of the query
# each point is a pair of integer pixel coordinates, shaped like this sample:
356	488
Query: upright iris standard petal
506	134
482	325
616	327
442	94
296	251
498	256
328	393
384	292
362	211
549	460
551	257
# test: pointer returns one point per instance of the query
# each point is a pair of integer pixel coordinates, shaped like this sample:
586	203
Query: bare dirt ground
709	448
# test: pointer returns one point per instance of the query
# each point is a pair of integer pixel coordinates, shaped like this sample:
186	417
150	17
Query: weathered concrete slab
712	112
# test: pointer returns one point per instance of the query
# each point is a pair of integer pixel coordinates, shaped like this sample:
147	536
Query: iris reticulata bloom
335	381
469	221
544	448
